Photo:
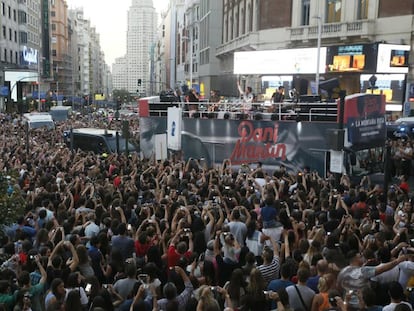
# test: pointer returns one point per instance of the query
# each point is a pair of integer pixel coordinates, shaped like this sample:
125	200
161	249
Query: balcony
247	42
362	29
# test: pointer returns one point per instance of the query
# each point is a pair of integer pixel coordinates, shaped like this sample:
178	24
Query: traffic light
118	104
139	82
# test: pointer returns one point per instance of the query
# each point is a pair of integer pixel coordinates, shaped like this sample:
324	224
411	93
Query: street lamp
191	57
317	78
39	106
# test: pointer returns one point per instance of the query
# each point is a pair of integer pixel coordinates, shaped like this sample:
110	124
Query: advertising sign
293	61
174	128
393	58
364	117
295	145
351	58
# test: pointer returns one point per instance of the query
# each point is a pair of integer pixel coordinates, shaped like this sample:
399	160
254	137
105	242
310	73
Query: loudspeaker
309	98
336	139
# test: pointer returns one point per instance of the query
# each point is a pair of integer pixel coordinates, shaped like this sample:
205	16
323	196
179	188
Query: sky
110	22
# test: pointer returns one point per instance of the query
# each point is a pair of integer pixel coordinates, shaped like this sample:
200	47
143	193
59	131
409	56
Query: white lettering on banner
368	122
30	55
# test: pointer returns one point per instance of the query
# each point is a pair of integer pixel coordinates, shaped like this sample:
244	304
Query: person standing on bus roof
246	96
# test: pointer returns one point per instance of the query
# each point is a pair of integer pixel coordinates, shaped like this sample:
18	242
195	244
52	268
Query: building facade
141	34
250	25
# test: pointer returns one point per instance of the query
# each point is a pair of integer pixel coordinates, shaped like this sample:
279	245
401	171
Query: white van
38	120
60	113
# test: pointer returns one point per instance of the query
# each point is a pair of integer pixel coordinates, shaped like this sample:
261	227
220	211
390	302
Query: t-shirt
173	256
124	286
239	230
124	244
355	278
270	272
294	300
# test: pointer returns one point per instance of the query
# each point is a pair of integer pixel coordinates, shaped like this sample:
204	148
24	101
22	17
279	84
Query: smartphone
129	227
88	287
266	293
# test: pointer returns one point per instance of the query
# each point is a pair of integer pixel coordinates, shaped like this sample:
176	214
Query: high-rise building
119	78
61	55
20	50
141	34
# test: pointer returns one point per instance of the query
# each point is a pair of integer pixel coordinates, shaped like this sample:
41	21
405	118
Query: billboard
293	61
294	144
351	58
364	117
393	58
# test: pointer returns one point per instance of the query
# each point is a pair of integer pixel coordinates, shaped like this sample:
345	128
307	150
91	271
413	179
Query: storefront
352	65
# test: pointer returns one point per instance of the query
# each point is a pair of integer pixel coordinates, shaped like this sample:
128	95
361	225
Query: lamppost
190	39
317	77
38	84
39	73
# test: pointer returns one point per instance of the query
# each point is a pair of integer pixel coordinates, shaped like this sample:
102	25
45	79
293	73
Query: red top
141	249
173	256
404	186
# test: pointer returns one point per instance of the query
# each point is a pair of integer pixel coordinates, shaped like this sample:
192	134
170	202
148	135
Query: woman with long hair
84	265
73	283
73	301
56	293
236	287
320	301
255	298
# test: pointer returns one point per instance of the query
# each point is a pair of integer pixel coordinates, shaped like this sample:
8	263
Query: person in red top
404	186
144	239
178	248
117	180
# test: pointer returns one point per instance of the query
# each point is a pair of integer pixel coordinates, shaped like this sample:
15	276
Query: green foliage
122	95
12	204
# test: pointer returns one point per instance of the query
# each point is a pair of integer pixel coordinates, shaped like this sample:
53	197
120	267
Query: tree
12	203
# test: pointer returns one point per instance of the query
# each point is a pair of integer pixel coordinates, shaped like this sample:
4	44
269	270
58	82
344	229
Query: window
23	37
5	55
9	12
53	13
305	12
54	53
53	27
3	8
4	32
10	34
363	9
14	15
333	11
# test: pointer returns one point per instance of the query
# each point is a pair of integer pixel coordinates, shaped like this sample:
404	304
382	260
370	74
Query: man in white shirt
91	229
396	292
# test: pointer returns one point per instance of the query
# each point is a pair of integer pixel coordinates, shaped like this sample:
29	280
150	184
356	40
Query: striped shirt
271	271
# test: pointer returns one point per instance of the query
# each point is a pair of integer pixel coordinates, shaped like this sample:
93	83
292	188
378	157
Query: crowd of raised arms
114	232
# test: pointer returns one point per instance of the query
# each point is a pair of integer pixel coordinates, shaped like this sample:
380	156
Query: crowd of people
114	232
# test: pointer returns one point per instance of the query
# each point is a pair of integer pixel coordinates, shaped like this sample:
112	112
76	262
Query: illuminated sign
29	55
393	58
352	58
293	61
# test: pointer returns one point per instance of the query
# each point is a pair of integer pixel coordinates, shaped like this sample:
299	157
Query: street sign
4	91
